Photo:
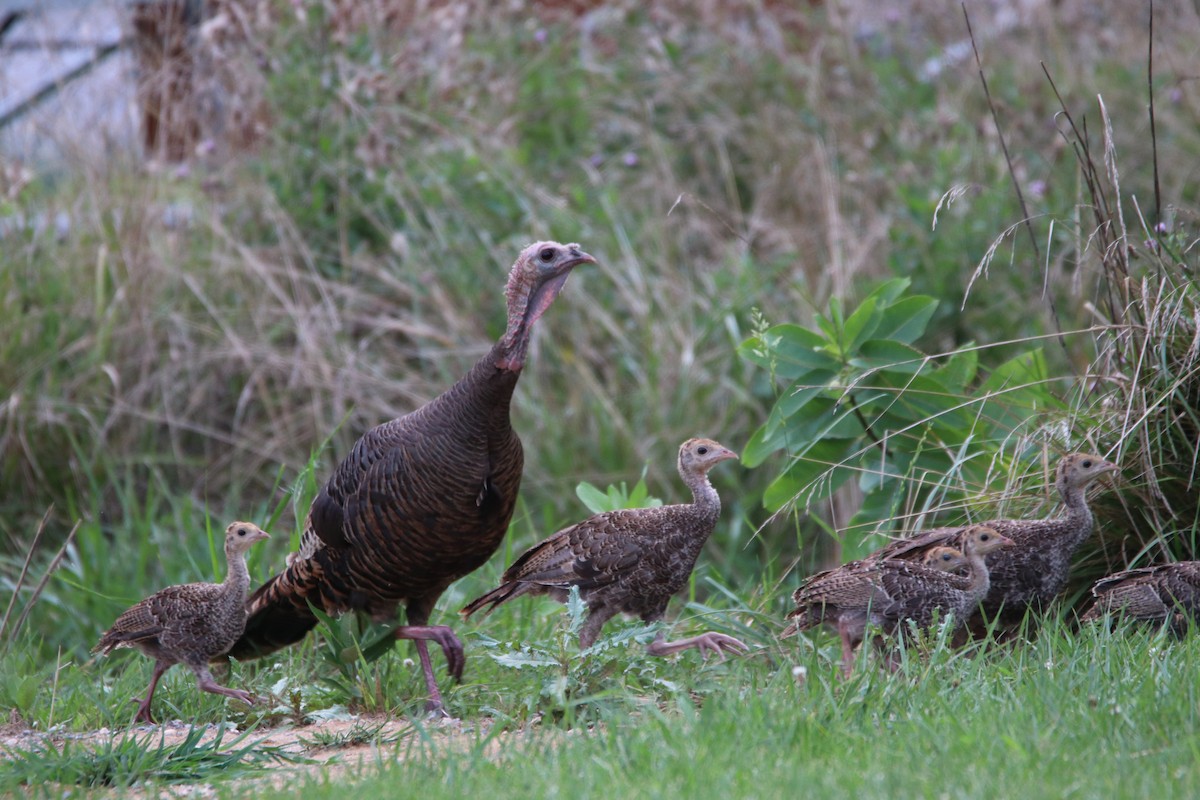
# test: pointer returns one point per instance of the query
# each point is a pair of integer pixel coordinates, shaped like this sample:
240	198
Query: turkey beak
578	258
728	455
1004	540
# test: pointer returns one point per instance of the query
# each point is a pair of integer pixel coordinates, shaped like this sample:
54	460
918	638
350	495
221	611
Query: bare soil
335	748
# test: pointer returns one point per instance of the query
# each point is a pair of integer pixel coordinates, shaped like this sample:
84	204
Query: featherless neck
704	496
238	577
980	581
496	367
1075	499
1078	512
509	353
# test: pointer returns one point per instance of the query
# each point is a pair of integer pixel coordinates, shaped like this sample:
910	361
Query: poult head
1079	469
239	536
536	278
944	559
983	539
701	455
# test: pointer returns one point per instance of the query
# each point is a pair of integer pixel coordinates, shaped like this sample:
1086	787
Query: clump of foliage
860	401
126	759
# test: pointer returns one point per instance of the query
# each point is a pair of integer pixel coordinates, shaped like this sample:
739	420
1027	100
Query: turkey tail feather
275	620
495	597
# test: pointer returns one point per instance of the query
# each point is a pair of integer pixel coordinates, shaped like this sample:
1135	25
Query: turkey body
1034	570
628	561
1162	594
886	593
419	501
191	623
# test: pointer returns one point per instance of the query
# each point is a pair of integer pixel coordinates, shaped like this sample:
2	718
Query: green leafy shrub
860	402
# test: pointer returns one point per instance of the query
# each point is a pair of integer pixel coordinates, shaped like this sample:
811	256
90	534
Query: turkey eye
241	531
547	254
1087	464
702	450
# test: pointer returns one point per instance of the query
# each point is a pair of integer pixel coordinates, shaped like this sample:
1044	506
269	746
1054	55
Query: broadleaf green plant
860	401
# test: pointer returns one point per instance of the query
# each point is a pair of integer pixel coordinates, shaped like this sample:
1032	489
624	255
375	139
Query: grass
1086	716
126	759
1090	712
202	345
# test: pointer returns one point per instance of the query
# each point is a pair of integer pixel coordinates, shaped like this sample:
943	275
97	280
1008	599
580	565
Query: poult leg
847	649
204	680
717	643
143	709
589	631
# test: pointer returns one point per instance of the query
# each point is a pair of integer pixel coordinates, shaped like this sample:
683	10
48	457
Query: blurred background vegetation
202	340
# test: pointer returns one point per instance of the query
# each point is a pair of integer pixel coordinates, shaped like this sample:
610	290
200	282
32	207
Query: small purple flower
1175	95
630	159
596	160
539	36
1162	227
1037	189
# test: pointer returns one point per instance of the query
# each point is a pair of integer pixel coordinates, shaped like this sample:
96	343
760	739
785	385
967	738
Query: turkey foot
716	643
451	646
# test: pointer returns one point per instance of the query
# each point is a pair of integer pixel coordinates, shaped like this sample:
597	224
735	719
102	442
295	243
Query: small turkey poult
191	623
628	561
1164	594
1034	570
888	593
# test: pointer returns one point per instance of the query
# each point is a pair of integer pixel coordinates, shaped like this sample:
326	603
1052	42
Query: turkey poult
887	593
1166	594
420	501
628	561
190	624
1034	570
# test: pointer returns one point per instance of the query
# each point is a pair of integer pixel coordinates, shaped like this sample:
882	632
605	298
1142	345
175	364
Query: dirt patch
333	748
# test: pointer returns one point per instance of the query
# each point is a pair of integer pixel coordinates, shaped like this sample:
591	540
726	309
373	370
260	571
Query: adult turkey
631	560
421	500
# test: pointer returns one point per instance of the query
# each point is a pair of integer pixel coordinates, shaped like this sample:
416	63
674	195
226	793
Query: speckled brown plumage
886	593
1158	595
1034	570
420	501
628	561
192	623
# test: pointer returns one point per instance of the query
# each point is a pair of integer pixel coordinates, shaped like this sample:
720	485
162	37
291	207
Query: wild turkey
420	501
192	623
1165	594
630	560
886	593
945	559
1034	570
